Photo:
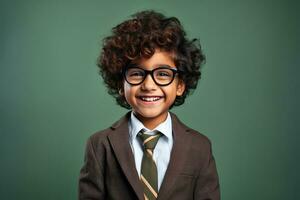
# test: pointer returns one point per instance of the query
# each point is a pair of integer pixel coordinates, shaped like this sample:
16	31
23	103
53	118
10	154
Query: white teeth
150	98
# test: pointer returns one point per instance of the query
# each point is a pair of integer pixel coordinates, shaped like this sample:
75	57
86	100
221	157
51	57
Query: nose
148	83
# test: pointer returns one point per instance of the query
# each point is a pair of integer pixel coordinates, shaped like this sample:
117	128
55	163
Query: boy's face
149	101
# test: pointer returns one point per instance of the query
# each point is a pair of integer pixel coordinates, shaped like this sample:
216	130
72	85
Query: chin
150	114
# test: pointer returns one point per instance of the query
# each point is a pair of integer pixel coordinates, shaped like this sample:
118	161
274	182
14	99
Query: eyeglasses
162	76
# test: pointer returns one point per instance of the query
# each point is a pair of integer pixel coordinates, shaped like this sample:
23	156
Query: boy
149	66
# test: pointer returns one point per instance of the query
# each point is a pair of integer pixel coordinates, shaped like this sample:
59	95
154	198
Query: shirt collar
136	125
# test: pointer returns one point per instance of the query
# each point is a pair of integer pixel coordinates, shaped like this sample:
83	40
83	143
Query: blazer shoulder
102	135
198	135
197	138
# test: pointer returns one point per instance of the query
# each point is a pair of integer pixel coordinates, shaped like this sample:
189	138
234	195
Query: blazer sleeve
207	184
91	178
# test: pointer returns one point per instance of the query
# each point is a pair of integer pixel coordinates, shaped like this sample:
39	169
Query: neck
151	123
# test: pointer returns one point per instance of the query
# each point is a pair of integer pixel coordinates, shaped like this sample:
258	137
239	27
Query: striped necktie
148	169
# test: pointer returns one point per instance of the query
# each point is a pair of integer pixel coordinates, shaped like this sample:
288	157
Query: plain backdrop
52	98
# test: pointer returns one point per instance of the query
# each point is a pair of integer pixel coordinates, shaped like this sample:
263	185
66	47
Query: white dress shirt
162	151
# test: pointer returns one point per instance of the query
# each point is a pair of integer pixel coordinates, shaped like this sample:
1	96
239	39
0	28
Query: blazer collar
119	140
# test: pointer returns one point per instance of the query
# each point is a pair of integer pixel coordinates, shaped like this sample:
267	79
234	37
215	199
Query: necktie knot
149	141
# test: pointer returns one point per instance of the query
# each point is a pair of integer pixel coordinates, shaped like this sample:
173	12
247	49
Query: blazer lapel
119	140
177	159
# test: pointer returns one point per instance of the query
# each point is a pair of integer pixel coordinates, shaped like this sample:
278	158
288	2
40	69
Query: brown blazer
109	169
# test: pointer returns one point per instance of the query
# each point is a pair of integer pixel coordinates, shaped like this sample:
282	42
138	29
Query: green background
52	97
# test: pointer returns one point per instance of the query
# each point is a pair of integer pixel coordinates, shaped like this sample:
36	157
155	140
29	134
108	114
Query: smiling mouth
150	99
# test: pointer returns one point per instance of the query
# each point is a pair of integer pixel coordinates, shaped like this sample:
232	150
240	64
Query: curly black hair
138	38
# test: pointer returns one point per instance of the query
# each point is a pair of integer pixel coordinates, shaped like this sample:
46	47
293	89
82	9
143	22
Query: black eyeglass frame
151	72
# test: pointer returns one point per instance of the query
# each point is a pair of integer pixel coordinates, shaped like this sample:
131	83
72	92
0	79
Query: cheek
170	92
129	91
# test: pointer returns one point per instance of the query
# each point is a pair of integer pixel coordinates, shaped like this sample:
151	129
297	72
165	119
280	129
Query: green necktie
148	169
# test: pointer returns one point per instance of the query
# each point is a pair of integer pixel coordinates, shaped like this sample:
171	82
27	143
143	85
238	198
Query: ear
121	91
180	88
